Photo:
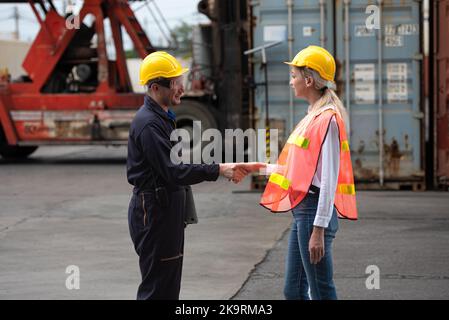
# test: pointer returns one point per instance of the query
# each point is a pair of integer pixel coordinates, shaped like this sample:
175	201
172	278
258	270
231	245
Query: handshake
238	171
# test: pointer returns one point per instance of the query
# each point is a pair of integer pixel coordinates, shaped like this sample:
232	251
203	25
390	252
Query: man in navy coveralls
156	220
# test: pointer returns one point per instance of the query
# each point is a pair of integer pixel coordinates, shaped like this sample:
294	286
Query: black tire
190	110
14	152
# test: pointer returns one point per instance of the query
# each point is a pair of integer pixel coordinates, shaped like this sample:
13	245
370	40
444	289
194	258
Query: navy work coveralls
157	232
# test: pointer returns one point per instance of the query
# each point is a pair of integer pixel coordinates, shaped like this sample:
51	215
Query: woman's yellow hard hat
318	59
160	64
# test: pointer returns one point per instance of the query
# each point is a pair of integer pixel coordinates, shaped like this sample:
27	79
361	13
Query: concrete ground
404	234
68	206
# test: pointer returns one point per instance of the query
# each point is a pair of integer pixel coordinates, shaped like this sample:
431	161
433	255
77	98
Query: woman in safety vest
313	178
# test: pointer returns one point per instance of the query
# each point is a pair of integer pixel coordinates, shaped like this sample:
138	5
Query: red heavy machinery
74	93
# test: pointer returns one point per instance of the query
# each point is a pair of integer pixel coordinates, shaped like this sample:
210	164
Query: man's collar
154	106
171	115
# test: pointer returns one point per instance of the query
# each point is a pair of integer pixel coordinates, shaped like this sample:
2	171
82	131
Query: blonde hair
328	97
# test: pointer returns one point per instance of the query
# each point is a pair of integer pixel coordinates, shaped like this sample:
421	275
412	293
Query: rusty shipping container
440	96
379	78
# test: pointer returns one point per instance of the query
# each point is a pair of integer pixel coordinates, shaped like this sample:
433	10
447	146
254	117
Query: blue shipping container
381	61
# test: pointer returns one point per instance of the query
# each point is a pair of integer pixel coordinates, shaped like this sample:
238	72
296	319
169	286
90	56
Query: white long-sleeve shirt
326	175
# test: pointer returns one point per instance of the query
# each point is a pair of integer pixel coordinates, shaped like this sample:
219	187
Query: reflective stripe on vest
279	180
345	145
346	189
300	141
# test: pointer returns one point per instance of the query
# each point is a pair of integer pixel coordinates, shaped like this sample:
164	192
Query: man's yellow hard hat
318	59
160	64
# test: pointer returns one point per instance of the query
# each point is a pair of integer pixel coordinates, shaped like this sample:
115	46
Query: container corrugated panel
442	88
271	25
400	107
401	84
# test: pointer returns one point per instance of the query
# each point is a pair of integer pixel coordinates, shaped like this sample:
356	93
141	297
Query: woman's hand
252	166
316	245
238	171
242	169
234	171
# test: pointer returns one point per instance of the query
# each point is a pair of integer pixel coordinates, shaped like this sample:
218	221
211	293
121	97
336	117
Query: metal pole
347	67
252	120
264	66
434	74
322	21
290	57
380	84
267	119
16	22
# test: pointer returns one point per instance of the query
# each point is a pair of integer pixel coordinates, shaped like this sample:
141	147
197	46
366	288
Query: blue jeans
300	274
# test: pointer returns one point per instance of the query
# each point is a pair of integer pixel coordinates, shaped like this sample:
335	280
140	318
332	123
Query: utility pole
16	22
145	23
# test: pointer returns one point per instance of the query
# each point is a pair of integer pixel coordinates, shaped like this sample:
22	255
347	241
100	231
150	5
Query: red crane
73	92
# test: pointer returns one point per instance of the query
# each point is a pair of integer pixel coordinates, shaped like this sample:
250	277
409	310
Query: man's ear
155	88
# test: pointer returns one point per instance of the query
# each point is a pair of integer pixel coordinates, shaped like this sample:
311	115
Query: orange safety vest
297	164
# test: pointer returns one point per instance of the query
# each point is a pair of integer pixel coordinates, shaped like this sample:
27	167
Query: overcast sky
174	11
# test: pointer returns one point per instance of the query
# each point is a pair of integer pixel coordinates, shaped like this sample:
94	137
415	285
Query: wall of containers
380	77
440	88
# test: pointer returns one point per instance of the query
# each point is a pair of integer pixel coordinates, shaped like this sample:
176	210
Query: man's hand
316	245
226	170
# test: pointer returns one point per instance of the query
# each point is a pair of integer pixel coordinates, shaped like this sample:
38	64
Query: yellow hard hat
318	59
160	64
